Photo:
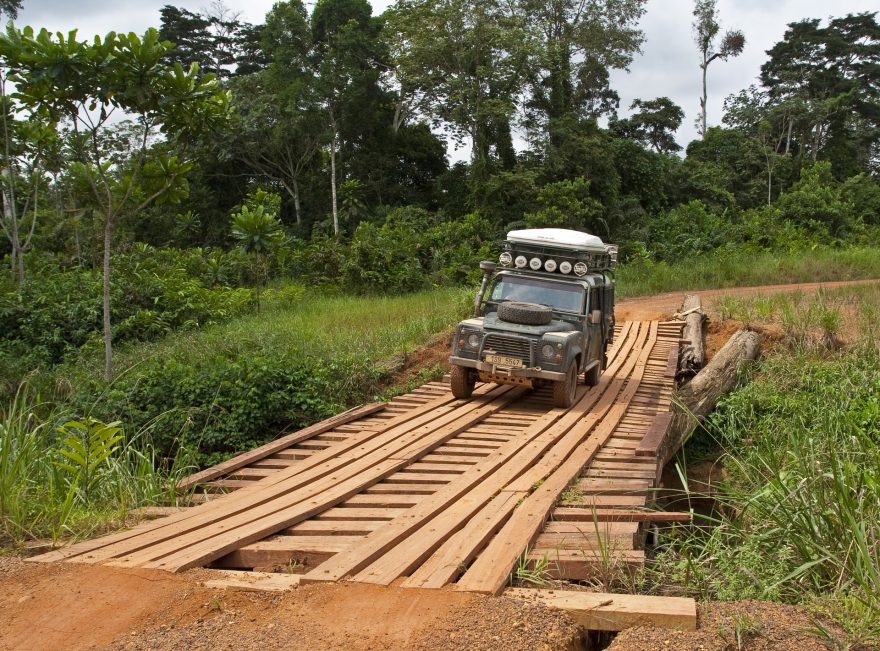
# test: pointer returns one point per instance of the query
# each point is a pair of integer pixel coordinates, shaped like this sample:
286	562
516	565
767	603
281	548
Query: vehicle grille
508	347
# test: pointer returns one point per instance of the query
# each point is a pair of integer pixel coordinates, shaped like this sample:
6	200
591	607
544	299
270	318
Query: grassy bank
229	387
744	270
800	503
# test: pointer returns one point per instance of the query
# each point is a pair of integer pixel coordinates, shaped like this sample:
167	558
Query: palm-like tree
259	234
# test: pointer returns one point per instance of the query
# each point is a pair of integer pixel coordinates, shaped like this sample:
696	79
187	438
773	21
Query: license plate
501	360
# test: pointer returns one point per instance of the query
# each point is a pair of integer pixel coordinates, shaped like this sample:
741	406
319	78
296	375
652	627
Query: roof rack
558	257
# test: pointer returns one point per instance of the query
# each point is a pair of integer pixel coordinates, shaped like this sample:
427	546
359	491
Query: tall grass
319	326
800	508
61	477
720	270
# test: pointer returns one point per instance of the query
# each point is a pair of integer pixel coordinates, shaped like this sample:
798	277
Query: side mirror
487	267
596	317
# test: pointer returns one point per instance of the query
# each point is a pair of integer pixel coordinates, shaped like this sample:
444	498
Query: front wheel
462	382
564	390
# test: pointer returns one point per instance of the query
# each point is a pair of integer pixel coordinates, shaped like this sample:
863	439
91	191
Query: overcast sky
667	65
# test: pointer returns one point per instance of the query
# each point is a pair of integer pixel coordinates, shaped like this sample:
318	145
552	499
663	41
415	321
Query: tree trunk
704	98
296	205
693	353
696	399
108	342
333	182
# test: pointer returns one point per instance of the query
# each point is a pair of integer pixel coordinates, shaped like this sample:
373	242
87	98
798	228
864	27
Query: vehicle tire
524	313
462	382
565	390
591	377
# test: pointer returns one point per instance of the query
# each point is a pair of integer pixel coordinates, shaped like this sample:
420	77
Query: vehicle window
562	297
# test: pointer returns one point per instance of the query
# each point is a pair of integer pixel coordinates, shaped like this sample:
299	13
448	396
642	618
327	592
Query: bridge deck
428	490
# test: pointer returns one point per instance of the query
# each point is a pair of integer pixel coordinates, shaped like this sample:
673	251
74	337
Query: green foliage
816	202
80	479
799	512
257	230
567	204
86	447
226	388
154	292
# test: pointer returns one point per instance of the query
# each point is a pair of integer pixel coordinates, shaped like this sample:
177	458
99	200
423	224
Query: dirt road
660	306
72	606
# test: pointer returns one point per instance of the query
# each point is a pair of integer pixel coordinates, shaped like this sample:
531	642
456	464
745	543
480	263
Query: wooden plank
252	581
380	501
397	431
333	528
574	514
277	445
615	612
655	436
462	548
588	564
383	488
351	513
490	571
408	542
218	538
671	369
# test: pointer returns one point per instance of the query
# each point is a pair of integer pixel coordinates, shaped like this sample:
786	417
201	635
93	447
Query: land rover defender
547	318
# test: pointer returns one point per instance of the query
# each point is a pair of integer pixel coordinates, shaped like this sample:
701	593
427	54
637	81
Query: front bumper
494	369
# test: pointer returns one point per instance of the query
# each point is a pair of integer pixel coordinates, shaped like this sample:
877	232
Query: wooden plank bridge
427	490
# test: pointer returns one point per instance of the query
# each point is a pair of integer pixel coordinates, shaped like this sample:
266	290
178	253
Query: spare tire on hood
524	313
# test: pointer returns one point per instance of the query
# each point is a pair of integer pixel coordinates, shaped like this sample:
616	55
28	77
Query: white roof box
559	237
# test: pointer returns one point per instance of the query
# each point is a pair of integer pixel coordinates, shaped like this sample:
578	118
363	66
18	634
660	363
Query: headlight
473	340
565	267
520	261
550	265
535	263
580	269
505	259
548	351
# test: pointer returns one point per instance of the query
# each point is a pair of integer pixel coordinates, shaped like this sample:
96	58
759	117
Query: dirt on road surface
661	306
72	606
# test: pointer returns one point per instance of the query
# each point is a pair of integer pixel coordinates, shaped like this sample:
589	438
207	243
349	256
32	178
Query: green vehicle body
556	348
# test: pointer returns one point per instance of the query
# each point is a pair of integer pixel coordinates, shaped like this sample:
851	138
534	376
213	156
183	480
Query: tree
706	30
347	55
28	149
654	125
828	79
469	80
214	38
258	232
84	84
10	8
278	131
576	43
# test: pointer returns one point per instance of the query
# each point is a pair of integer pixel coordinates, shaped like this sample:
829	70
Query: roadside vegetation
798	508
275	224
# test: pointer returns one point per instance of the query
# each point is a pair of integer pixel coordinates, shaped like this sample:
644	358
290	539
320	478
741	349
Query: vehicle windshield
560	296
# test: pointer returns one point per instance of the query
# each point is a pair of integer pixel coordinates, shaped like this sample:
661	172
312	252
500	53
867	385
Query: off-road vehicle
547	318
